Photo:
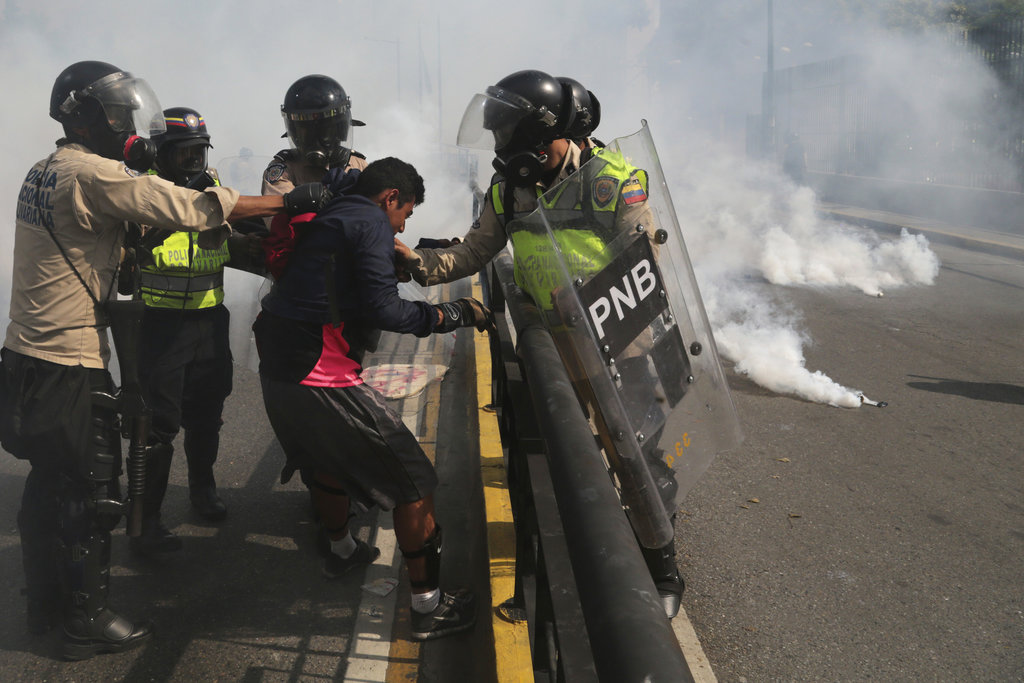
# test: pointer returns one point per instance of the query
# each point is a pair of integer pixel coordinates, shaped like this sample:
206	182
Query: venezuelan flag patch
633	192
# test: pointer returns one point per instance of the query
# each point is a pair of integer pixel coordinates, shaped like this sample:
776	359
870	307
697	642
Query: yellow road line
511	641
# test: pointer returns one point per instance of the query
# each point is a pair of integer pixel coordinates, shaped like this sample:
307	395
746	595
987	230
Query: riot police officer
70	228
539	128
186	368
318	119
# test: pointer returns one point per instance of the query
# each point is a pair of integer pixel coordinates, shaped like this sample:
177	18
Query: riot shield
604	257
243	172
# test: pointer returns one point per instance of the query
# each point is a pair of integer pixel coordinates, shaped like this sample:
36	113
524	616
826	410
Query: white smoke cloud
746	225
691	68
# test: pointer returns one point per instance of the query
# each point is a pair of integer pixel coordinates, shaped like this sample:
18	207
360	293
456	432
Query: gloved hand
465	312
214	237
308	198
429	243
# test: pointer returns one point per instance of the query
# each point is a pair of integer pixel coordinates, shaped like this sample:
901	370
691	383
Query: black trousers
186	371
72	441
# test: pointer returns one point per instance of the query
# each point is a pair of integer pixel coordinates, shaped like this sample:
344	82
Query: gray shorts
351	434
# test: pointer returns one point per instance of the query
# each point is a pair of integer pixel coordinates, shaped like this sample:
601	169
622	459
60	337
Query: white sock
426	602
344	547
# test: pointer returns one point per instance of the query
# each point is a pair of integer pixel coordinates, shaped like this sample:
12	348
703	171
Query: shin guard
431	551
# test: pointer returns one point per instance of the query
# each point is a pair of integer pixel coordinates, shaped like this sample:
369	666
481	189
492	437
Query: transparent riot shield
604	258
243	172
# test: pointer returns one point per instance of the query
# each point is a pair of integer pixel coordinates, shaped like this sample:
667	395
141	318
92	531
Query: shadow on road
998	392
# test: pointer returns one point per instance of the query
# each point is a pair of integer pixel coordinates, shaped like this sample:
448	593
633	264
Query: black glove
430	243
126	274
308	198
465	312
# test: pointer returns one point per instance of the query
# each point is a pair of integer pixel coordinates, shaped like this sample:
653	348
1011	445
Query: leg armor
89	626
431	551
104	470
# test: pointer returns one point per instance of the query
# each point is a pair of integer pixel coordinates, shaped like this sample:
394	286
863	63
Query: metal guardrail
581	582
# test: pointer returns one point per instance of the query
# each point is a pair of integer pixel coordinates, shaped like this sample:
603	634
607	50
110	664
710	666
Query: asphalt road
885	543
245	600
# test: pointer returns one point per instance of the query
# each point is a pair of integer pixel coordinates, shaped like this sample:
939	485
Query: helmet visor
490	121
129	104
318	130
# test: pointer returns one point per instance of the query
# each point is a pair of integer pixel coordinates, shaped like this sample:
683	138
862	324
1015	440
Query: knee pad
431	550
105	459
86	509
76	516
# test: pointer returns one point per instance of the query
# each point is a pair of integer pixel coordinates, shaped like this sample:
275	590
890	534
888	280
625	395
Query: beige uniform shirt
85	199
482	243
287	170
282	175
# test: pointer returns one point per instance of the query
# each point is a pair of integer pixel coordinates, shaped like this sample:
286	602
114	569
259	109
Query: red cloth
280	243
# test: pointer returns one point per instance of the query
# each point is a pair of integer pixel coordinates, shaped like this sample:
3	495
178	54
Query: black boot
103	631
201	447
155	538
207	503
158	472
661	562
90	627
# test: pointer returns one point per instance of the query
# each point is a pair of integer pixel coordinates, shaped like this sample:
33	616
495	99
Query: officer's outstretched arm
308	198
477	248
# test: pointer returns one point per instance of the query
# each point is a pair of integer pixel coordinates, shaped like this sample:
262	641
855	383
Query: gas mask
139	153
522	168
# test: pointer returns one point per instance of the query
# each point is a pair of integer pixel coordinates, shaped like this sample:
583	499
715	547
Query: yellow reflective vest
184	276
581	213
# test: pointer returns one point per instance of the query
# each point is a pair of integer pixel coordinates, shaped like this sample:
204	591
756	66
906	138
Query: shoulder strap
60	247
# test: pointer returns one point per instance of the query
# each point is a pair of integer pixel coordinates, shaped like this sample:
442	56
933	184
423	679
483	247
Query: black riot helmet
116	109
587	110
523	112
181	149
318	117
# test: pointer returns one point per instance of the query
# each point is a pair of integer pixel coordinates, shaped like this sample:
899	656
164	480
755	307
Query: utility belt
161	290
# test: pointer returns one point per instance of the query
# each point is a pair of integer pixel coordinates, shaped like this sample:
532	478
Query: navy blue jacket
355	235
